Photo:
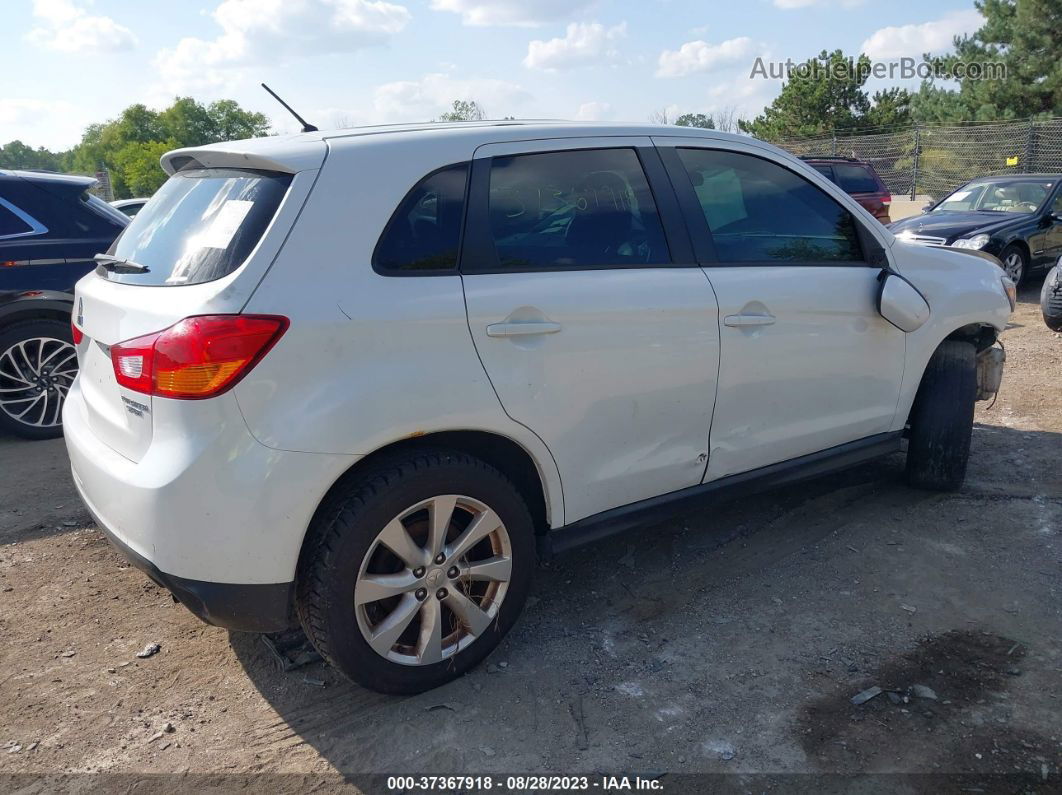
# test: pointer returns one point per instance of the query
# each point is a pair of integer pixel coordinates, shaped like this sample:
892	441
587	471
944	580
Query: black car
50	229
1018	219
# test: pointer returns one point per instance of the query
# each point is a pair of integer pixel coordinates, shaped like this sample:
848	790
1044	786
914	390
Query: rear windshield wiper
119	265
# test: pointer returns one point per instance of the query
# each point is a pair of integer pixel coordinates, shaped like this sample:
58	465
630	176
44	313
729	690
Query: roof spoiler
266	154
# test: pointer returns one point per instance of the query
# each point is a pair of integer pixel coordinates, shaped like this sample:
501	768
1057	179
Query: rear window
11	225
855	179
201	225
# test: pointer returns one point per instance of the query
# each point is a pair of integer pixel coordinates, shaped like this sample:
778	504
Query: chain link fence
932	160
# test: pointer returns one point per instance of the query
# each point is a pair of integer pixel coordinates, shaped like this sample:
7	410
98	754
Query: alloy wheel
1013	266
35	377
433	580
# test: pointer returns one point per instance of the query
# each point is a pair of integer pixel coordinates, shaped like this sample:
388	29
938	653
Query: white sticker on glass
227	220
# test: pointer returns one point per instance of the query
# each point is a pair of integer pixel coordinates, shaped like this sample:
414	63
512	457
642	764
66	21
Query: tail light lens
199	357
76	333
888	199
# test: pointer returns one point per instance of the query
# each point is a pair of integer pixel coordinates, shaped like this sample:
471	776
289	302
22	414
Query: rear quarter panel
368	359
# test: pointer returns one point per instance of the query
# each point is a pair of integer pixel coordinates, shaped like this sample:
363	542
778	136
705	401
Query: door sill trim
616	520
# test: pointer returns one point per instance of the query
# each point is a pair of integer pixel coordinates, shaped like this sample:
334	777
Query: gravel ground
727	641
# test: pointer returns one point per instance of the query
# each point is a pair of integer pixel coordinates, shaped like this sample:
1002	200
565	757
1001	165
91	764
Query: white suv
359	380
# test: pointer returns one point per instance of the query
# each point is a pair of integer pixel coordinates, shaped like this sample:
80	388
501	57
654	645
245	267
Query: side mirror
900	303
926	208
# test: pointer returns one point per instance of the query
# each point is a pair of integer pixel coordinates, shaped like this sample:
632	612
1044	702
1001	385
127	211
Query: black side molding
616	520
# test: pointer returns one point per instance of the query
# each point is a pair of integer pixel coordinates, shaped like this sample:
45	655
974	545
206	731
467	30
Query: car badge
81	311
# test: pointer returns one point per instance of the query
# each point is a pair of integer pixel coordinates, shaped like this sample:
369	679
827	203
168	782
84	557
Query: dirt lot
728	641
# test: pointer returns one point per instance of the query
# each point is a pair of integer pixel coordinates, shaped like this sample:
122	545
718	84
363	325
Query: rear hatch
184	254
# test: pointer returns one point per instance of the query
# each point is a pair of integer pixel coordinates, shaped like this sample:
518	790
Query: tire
1015	263
32	395
1051	299
345	551
941	420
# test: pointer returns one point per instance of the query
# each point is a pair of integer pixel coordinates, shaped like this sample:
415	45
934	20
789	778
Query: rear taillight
887	200
199	357
76	333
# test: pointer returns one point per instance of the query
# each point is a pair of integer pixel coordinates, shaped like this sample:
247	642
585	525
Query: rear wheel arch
500	452
31	312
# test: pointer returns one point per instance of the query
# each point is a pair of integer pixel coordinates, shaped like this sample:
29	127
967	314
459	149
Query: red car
858	179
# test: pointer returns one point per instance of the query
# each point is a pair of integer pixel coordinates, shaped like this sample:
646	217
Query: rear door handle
742	321
522	329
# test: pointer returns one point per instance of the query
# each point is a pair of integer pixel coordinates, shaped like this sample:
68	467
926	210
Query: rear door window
200	226
855	179
588	208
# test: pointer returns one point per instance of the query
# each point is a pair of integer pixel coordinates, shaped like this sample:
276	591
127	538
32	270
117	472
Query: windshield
201	225
1000	196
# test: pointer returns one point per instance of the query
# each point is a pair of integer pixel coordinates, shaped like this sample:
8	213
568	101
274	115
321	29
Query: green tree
19	155
230	122
1025	36
824	95
138	164
890	108
695	120
464	110
130	146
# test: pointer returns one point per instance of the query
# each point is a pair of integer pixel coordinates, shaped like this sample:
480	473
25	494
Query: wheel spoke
429	643
468	611
25	357
481	527
387	631
374	587
397	539
496	569
41	362
26	411
15	373
441	511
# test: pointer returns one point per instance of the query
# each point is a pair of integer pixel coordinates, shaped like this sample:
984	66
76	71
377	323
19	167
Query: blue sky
343	62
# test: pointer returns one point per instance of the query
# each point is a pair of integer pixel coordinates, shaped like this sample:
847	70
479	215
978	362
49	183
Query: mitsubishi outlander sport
359	380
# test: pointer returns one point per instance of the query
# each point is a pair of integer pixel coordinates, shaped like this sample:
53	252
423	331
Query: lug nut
441	593
421	594
440	558
418	572
452	573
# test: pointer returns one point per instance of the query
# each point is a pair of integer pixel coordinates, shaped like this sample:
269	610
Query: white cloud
433	94
69	28
593	111
583	44
914	40
267	31
55	124
523	13
700	56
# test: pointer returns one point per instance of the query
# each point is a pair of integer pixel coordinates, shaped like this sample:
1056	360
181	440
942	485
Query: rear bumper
247	608
207	511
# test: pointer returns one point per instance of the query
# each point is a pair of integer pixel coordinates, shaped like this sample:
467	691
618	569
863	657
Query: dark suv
858	179
50	229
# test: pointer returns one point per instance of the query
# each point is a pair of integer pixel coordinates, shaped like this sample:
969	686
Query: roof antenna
306	126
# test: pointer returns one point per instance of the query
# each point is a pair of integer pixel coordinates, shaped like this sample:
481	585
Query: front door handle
744	321
522	329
